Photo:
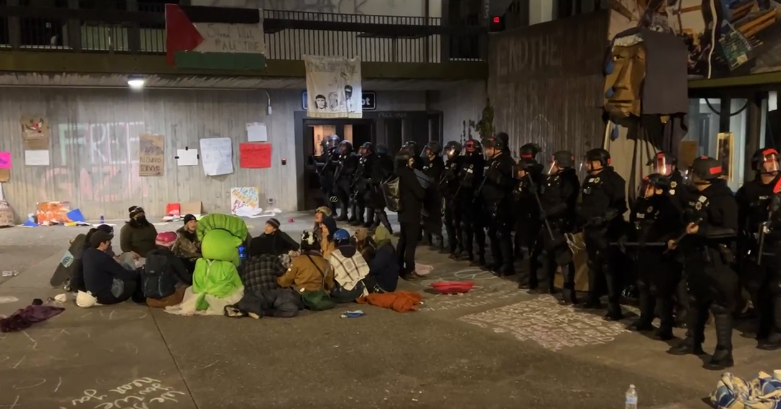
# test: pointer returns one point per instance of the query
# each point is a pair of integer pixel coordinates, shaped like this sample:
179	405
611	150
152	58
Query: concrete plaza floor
495	347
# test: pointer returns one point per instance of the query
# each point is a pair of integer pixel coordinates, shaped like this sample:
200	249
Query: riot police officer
656	219
601	210
497	198
449	185
712	224
343	178
756	247
529	177
433	167
325	166
381	172
558	204
363	187
412	148
471	204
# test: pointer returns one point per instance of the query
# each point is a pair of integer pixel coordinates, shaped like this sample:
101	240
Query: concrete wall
462	103
94	146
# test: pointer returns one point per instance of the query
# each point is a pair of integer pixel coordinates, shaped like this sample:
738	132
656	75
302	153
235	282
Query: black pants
472	227
132	289
599	270
453	225
500	234
658	278
762	283
405	249
526	234
326	186
712	286
342	192
555	253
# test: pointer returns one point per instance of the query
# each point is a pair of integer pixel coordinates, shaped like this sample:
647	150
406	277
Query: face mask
141	220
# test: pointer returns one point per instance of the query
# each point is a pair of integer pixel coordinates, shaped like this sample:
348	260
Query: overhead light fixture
136	82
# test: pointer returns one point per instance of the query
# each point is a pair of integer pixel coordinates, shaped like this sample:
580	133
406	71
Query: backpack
157	279
390	191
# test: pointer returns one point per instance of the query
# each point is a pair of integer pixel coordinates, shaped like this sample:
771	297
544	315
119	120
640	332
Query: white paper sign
772	100
36	158
256	132
187	157
333	87
217	156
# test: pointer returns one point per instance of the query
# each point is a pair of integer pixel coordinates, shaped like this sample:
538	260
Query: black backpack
157	278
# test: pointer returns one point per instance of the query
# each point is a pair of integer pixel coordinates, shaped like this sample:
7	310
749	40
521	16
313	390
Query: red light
497	20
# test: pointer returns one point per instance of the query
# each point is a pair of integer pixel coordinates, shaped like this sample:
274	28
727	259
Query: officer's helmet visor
590	164
469	147
450	152
770	163
364	151
645	190
662	166
553	168
332	141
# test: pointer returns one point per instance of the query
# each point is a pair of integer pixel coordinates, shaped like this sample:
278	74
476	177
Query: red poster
255	155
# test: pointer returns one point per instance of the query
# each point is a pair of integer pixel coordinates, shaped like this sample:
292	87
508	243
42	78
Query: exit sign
368	101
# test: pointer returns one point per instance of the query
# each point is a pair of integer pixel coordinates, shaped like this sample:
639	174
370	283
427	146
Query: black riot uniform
471	204
449	186
381	172
344	175
712	225
363	188
434	168
656	220
497	198
411	147
760	273
529	177
558	202
601	210
325	165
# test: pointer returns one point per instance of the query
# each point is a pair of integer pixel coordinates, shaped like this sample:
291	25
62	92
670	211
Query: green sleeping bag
216	274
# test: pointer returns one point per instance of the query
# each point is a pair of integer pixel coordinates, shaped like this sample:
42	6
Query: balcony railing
289	34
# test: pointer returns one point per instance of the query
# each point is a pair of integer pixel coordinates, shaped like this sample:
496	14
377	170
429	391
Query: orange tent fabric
400	301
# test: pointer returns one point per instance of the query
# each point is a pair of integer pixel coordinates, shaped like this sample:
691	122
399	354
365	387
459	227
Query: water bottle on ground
631	398
102	220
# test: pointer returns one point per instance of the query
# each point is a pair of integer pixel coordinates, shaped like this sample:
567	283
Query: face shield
450	152
662	166
552	168
590	165
344	149
646	189
470	147
332	142
769	164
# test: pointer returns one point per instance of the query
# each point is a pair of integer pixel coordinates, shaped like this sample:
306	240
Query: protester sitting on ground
260	271
364	243
76	281
187	245
384	267
320	213
106	280
273	240
349	269
310	271
326	236
137	236
164	277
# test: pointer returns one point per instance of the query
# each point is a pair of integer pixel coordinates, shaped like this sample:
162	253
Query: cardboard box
191	208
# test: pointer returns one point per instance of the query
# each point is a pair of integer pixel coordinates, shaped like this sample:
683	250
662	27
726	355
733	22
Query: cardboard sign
151	155
6	214
35	132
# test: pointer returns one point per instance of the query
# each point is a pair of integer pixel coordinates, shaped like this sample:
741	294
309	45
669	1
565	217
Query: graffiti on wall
96	162
724	37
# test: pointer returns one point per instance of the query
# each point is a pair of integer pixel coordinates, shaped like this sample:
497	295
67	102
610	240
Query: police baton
539	205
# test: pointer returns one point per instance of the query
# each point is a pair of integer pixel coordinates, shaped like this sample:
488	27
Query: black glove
494	175
597	221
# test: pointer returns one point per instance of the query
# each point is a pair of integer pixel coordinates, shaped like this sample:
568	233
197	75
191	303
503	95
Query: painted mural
724	37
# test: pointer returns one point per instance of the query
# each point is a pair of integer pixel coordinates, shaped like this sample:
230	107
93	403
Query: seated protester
164	277
320	213
326	236
349	269
106	280
260	272
384	268
364	244
137	236
273	241
76	281
187	245
309	271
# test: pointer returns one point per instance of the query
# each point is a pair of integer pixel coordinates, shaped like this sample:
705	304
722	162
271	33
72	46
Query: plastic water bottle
631	398
102	220
242	253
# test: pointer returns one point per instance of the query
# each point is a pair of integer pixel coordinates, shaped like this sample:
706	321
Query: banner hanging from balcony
214	38
333	87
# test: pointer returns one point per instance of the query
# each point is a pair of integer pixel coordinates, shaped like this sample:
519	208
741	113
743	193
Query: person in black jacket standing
346	167
497	196
603	205
363	187
529	177
411	196
382	171
449	186
471	175
433	167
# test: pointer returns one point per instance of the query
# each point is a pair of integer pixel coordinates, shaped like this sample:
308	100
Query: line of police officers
694	243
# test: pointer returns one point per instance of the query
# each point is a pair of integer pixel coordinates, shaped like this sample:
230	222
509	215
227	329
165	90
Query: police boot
343	212
644	323
369	218
666	322
356	219
773	341
353	211
722	358
692	344
568	295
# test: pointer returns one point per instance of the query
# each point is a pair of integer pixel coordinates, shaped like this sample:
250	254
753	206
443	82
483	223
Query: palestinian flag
214	38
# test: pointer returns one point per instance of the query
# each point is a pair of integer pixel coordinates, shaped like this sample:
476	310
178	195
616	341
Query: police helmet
433	147
505	138
367	148
452	149
333	141
706	168
765	161
663	163
345	147
473	147
561	160
382	150
530	151
598	155
494	142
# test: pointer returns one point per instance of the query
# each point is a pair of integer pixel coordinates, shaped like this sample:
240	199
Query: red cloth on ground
26	317
399	301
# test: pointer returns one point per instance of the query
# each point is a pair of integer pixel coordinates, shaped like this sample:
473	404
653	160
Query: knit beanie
326	211
135	210
273	222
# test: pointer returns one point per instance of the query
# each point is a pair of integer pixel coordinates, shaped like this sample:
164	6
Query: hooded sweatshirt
384	268
187	245
349	266
139	238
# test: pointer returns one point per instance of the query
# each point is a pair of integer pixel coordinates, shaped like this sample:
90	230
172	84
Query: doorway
357	131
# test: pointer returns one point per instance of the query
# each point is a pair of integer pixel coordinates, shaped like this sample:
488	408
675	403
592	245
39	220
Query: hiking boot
686	347
641	324
568	296
771	343
721	359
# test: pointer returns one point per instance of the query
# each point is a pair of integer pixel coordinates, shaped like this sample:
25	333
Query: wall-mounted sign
368	100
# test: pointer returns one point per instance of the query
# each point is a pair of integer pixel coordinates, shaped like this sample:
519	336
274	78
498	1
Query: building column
540	11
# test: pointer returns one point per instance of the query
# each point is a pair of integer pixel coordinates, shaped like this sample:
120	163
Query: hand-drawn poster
151	155
333	87
49	213
245	201
255	155
35	133
217	156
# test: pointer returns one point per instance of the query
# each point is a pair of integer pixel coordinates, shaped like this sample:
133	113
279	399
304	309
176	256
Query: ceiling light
136	82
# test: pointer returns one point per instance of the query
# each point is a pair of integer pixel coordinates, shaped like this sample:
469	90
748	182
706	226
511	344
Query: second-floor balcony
128	28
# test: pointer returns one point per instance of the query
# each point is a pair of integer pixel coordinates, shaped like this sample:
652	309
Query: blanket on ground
762	392
399	301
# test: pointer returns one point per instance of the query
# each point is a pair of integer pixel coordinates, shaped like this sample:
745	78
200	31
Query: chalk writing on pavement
549	324
137	394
